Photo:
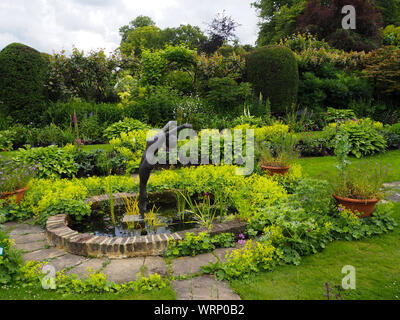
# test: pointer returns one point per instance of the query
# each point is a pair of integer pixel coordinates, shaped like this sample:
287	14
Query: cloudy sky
52	25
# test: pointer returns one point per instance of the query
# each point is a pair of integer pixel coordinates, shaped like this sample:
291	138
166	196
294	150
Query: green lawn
324	167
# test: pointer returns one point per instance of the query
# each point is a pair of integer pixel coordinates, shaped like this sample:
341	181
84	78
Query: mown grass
324	167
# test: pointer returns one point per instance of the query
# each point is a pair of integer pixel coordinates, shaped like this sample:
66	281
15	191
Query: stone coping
61	236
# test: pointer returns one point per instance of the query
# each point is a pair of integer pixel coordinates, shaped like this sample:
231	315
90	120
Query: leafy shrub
391	36
61	113
23	73
181	81
126	125
195	244
131	145
225	95
90	77
364	138
156	108
382	68
273	72
51	161
10	262
6	140
50	135
317	143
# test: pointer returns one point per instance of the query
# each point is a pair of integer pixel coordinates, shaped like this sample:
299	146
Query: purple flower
241	236
241	241
340	209
75	119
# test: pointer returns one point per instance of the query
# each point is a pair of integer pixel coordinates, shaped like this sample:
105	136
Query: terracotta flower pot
276	170
18	193
366	207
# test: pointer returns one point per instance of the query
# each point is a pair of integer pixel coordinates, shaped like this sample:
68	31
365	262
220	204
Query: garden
319	112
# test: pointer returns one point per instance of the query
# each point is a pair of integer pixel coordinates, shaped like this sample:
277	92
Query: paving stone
31	246
203	288
32	237
81	270
10	224
188	265
65	261
395	197
22	229
155	265
123	270
44	254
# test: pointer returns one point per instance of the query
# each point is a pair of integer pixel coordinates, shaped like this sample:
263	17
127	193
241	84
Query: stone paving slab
31	246
66	261
81	269
123	270
188	265
32	237
42	255
23	229
203	288
155	265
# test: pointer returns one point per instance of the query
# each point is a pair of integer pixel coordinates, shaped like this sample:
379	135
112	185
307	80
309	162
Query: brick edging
60	235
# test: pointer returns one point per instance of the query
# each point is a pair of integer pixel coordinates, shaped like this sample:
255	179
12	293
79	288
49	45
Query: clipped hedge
23	74
273	72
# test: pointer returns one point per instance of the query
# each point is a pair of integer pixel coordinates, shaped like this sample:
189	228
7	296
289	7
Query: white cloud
53	25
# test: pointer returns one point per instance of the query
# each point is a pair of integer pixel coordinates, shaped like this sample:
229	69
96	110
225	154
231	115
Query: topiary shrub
23	73
273	72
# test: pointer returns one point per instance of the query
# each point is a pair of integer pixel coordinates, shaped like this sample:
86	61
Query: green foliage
280	23
196	244
11	260
90	77
31	274
142	38
225	95
364	138
51	161
126	125
273	72
6	140
391	36
23	75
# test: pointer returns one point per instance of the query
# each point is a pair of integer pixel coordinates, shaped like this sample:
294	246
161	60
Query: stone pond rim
61	236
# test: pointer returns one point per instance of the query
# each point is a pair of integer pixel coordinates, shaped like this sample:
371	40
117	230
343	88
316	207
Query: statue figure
148	163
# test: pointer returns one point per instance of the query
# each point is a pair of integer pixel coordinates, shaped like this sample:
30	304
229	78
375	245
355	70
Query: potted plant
277	157
357	188
14	179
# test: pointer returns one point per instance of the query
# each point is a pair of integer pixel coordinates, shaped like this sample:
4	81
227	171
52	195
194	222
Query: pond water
100	223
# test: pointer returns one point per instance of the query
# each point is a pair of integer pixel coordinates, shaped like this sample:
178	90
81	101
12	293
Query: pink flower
75	119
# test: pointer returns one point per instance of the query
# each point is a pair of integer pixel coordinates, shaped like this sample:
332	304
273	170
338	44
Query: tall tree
192	36
278	19
221	30
138	22
323	18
